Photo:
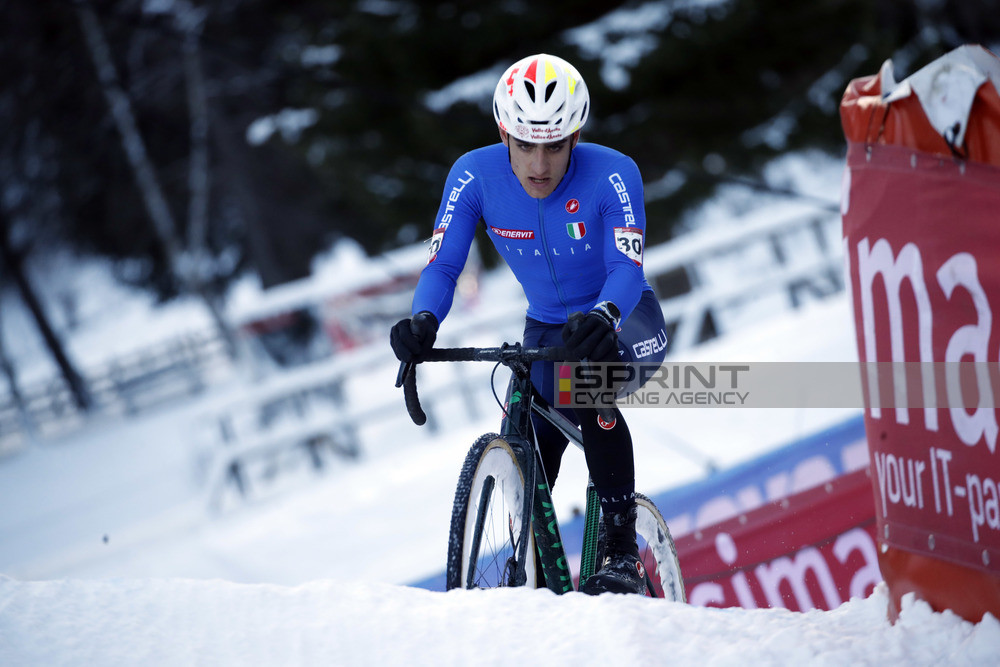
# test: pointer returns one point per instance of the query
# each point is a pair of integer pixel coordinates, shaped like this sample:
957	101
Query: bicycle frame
592	516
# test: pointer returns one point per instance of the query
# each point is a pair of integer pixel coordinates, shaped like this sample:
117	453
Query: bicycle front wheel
491	543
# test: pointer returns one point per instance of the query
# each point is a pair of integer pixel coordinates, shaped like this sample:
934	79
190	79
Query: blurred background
267	170
191	143
197	141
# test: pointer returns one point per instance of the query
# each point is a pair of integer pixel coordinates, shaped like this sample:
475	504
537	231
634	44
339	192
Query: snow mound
183	621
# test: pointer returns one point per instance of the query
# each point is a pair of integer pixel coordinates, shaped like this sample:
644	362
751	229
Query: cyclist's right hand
413	337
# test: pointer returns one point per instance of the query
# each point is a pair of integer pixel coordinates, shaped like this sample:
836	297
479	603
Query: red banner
920	203
812	550
922	239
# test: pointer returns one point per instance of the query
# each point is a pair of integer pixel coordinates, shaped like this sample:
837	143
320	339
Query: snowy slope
343	622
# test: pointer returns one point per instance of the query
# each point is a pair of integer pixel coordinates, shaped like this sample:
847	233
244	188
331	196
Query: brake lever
405	368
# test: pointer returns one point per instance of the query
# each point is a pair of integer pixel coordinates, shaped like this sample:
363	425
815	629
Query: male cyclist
568	218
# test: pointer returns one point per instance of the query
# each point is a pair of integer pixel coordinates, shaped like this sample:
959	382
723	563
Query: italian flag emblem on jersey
576	230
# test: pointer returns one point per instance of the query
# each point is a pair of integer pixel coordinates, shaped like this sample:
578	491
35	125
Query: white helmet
541	98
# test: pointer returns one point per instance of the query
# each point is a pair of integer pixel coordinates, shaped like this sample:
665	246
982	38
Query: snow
620	38
165	622
288	122
110	553
476	87
91	309
319	56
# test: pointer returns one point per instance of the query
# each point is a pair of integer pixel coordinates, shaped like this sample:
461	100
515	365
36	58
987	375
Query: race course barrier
813	550
920	201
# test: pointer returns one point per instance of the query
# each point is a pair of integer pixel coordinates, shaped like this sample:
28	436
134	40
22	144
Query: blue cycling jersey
579	246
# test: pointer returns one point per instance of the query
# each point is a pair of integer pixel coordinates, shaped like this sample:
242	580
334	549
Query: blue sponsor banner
804	464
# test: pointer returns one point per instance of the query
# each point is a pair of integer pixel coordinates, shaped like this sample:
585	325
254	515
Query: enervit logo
526	234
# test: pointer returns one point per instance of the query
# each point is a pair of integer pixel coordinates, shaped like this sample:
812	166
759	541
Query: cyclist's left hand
591	336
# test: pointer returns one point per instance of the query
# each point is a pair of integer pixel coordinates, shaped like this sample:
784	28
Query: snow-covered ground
110	554
349	622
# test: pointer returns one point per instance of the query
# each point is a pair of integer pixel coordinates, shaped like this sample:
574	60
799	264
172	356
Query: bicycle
504	531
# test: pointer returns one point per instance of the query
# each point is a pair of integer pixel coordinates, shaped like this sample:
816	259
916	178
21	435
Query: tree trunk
13	260
10	372
231	152
189	20
149	187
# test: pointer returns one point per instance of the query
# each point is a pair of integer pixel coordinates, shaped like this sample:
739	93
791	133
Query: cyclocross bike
504	530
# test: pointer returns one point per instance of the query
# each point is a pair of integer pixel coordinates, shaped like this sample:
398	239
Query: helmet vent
549	90
531	89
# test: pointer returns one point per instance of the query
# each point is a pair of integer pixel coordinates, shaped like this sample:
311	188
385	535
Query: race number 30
629	242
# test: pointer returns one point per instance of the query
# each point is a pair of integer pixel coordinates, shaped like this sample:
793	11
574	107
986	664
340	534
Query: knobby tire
490	542
657	550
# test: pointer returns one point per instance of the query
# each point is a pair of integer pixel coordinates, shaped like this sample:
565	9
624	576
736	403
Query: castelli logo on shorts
640	569
607	426
572	206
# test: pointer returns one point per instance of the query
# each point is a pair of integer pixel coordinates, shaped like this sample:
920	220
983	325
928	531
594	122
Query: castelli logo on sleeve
572	206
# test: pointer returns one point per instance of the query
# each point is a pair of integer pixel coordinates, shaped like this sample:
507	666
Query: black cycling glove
413	337
592	336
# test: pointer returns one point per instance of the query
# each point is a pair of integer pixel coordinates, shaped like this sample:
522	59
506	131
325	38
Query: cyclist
568	218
